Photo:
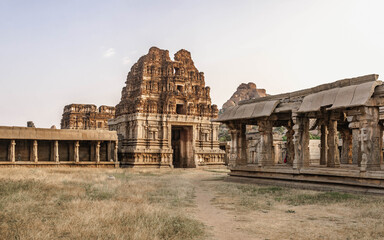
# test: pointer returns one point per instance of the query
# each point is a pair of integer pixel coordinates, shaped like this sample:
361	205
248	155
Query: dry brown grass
67	203
84	204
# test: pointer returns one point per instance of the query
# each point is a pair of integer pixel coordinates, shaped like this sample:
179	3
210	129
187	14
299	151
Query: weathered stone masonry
86	116
164	116
349	107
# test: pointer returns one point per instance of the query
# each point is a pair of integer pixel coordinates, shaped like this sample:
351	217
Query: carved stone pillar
370	139
115	152
265	147
381	145
97	151
276	153
109	151
213	134
35	155
238	151
290	144
233	148
12	151
301	142
356	144
346	150
76	154
242	146
164	136
323	145
333	159
56	151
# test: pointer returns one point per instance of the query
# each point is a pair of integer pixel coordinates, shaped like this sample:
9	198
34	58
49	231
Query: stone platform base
61	164
157	165
144	165
345	179
212	166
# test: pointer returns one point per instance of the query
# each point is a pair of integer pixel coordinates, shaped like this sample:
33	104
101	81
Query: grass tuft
98	194
9	187
319	198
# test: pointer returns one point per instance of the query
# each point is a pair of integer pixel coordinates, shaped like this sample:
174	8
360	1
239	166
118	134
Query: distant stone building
86	116
164	116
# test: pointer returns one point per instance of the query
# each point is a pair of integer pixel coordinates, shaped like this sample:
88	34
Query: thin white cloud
109	53
126	61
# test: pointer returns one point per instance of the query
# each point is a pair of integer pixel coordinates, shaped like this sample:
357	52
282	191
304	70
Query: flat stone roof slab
349	96
252	110
352	97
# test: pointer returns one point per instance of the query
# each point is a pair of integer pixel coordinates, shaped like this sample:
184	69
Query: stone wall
314	151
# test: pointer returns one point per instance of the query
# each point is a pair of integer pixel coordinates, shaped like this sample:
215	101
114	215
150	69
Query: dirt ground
175	204
268	212
221	223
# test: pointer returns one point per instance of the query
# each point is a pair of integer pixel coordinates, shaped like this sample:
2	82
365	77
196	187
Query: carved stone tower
163	118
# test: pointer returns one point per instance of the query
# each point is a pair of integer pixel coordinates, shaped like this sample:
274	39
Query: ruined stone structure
279	148
25	146
86	116
164	116
351	107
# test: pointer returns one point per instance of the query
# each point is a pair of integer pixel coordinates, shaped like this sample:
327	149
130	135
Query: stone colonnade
360	130
29	149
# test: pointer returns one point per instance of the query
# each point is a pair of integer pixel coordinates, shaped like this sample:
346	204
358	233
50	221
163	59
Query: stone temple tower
164	116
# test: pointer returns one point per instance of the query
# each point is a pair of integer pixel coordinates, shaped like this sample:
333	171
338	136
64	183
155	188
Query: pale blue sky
55	53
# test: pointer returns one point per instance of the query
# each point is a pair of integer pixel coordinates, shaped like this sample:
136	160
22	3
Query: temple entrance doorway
182	147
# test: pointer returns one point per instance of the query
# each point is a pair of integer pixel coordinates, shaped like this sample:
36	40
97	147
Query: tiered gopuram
164	116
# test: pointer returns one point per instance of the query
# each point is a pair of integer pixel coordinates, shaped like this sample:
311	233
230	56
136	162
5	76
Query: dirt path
221	224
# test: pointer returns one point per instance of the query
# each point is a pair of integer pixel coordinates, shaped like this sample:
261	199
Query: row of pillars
329	151
238	152
76	155
362	141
